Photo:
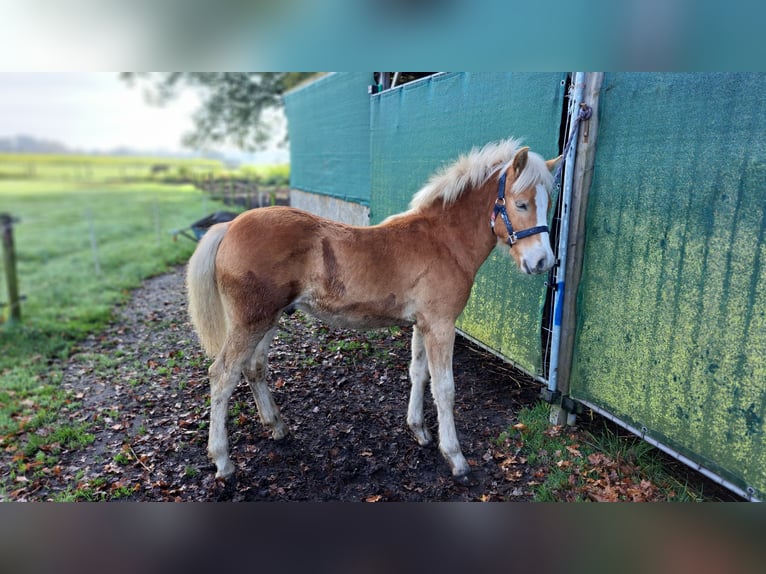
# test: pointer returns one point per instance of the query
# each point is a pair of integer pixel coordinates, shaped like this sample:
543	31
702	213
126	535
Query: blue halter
513	236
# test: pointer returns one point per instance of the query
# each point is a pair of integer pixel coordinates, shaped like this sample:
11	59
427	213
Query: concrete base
330	207
560	417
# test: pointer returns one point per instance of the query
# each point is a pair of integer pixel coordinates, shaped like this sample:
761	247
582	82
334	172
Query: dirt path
142	386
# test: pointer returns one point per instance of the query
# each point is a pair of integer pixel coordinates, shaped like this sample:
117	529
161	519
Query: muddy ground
141	386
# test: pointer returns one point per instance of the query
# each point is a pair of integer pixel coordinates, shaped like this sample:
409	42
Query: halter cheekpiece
513	236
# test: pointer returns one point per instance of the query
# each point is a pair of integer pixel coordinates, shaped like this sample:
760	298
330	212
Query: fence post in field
9	262
93	242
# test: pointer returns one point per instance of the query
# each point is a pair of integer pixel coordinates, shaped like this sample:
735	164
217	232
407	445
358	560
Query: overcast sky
90	111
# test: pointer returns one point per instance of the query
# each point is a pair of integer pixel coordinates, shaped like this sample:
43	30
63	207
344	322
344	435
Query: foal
416	268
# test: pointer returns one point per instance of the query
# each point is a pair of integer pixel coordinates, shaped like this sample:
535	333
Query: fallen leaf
598	459
373	498
573	450
513	476
608	494
554	431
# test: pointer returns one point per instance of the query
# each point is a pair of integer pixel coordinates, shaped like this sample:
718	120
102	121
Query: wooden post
157	228
9	260
93	242
583	176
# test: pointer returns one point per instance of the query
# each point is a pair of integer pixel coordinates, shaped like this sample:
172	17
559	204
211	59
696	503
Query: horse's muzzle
537	265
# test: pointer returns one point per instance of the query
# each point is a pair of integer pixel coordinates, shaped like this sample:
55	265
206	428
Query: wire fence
56	247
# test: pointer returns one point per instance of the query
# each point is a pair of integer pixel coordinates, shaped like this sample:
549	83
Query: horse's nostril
540	267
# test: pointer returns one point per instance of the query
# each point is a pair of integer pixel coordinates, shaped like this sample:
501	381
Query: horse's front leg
439	343
419	378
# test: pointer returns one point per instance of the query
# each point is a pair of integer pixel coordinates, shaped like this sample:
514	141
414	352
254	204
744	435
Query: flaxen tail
205	305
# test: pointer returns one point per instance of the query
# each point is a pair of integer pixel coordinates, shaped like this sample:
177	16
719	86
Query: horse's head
522	205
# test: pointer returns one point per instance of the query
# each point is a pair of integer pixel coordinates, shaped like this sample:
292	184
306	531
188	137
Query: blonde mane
475	168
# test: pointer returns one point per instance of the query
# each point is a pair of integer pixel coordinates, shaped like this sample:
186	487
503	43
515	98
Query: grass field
99	168
106	169
79	249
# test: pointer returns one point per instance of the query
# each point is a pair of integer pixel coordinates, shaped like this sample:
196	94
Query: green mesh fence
329	123
672	310
425	124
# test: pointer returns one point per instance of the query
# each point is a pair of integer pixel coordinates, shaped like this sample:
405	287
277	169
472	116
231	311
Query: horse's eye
521	206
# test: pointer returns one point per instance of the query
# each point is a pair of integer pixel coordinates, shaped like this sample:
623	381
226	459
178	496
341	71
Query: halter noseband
513	236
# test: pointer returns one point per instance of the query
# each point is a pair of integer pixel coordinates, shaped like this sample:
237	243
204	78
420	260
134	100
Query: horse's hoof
280	433
225	472
466	479
422	436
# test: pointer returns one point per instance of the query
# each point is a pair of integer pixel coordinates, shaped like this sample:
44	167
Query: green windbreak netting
421	126
329	123
672	310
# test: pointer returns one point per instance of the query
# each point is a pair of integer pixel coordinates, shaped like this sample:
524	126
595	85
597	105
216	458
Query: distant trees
236	106
31	144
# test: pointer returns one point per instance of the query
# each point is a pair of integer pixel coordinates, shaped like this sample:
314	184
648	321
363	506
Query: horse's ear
520	160
551	163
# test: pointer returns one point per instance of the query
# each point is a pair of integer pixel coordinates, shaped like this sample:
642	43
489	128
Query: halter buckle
512	238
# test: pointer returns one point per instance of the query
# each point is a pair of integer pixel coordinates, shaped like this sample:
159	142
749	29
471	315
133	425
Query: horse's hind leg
224	375
419	378
256	374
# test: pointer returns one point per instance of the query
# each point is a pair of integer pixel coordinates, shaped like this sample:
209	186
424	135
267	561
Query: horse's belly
357	315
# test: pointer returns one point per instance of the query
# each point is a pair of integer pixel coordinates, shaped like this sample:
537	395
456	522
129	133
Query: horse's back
268	232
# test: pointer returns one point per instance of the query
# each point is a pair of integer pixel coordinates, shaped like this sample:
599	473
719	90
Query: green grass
594	463
94	490
70	288
266	174
123	458
191	472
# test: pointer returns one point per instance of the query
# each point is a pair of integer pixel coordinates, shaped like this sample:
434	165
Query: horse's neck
464	225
